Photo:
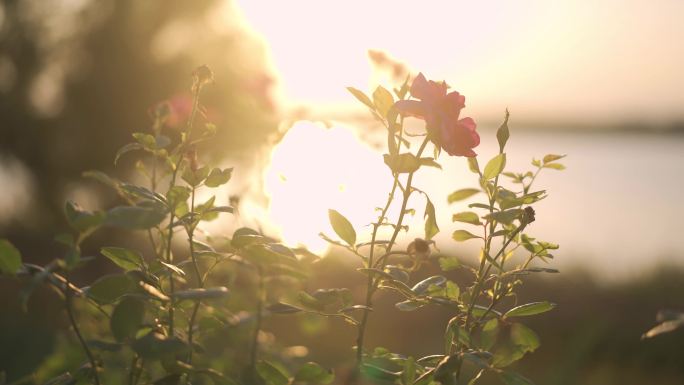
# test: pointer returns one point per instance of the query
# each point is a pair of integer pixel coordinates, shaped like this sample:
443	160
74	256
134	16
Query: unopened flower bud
528	215
201	76
419	247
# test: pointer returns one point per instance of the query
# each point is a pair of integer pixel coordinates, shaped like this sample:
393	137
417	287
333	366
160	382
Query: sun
314	169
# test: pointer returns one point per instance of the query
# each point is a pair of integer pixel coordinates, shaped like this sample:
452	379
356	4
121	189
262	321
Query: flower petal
455	100
420	88
459	138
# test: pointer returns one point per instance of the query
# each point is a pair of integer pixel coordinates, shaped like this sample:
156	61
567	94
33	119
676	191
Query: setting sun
315	168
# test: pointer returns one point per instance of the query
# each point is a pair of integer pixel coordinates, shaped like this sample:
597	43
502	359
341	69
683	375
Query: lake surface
616	210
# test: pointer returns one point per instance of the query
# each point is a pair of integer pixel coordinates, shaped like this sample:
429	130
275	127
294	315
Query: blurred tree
77	78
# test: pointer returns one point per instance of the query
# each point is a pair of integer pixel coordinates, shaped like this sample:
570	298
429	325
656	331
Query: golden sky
589	61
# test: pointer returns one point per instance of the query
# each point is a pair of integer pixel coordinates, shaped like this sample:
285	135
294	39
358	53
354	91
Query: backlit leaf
10	258
342	227
431	228
271	374
467	217
383	100
135	217
402	163
217	177
530	309
463	235
462	194
551	157
494	167
124	258
502	134
360	96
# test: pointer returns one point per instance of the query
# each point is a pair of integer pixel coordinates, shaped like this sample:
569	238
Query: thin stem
200	281
191	235
257	327
134	366
74	325
172	183
372	283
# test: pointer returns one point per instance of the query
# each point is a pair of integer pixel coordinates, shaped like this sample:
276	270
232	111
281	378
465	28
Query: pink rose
441	114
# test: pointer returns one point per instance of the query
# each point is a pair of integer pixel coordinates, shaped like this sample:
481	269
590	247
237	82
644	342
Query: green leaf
502	134
429	162
449	263
196	177
506	216
664	327
269	254
312	373
523	336
402	163
514	342
554	166
409	305
490	332
512	378
451	290
155	345
126	318
462	194
199	294
82	220
551	157
125	149
431	228
342	227
124	258
408	375
383	100
218	177
135	217
271	374
530	309
177	196
463	235
360	96
422	286
473	166
467	217
494	167
109	288
10	258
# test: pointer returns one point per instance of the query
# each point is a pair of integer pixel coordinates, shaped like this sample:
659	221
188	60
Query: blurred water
617	208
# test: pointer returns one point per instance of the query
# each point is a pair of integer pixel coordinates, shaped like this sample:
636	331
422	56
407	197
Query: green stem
200	281
258	318
74	325
372	283
172	183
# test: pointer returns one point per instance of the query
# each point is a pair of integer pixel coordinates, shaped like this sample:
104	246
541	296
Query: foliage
169	312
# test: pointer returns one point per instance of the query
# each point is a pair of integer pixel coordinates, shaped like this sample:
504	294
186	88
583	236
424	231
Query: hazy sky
590	61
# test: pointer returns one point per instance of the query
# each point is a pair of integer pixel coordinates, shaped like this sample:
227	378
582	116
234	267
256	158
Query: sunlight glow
562	60
314	169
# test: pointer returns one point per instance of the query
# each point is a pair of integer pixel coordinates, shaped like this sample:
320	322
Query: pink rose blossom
441	114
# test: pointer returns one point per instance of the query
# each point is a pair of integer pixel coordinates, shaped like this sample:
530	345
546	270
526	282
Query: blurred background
599	81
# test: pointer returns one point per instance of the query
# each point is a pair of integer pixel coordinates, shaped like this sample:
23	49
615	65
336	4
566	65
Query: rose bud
528	215
419	247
